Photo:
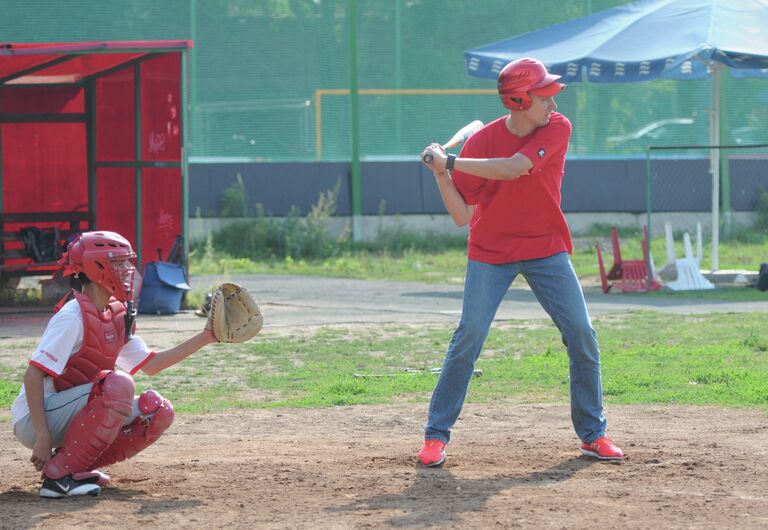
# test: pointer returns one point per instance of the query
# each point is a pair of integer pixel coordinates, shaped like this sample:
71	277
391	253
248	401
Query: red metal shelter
96	128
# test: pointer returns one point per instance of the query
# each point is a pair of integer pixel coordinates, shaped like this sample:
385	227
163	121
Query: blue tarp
163	288
648	39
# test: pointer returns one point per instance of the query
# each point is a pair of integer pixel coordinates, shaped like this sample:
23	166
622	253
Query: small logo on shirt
109	336
541	152
49	355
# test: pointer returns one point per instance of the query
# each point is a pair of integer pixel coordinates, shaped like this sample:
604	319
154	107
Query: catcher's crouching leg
156	416
95	427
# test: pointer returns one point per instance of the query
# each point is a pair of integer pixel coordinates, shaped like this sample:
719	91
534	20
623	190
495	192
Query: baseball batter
73	399
506	185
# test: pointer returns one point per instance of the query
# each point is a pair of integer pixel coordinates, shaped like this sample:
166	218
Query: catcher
75	410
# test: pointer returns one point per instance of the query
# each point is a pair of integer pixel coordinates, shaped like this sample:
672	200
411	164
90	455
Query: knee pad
150	401
156	416
157	412
116	390
161	419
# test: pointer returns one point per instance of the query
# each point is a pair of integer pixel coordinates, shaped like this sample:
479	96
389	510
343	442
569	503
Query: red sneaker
432	453
602	448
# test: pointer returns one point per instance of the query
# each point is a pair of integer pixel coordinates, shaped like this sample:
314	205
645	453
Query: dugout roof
98	127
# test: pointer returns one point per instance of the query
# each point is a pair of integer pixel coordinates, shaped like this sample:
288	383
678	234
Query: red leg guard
95	427
157	416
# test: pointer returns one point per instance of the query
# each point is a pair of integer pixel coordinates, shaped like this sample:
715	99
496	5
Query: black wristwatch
449	163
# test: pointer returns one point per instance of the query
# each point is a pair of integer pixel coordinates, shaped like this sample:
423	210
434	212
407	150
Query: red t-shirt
517	219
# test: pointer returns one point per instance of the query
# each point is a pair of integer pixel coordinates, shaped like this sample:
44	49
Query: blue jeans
557	289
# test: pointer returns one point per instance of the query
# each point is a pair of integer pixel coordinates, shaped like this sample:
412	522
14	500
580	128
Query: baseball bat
459	137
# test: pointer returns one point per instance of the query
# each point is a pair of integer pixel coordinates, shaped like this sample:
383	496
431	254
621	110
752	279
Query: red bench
20	255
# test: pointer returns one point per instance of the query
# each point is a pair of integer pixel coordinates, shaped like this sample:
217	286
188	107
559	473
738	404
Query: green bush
296	237
399	239
234	200
761	209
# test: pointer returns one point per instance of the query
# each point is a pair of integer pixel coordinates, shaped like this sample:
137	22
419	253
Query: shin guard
95	427
156	416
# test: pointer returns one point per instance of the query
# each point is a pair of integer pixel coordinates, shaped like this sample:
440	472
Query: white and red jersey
518	219
63	337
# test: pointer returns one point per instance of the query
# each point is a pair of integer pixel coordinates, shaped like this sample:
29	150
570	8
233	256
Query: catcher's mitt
234	315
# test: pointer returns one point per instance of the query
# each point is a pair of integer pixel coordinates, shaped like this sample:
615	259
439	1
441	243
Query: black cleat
68	487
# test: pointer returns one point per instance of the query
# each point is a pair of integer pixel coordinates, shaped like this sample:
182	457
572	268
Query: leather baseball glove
234	315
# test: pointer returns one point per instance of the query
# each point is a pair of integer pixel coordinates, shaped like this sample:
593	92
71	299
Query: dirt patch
355	467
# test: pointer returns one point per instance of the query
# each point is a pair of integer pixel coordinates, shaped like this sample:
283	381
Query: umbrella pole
726	212
357	218
714	164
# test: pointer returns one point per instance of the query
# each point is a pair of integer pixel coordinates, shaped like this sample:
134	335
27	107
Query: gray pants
60	408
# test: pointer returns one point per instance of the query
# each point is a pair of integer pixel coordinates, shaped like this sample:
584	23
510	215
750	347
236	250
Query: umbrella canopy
645	40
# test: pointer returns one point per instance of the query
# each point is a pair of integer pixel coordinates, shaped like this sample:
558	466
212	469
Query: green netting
679	193
268	77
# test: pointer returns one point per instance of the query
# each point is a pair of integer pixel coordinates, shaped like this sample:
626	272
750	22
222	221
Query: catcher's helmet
107	259
523	76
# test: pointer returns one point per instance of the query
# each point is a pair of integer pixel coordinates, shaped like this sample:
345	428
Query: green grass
722	293
447	266
411	259
647	357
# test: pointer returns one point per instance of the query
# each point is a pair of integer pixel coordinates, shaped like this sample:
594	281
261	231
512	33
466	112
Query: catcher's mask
522	77
107	259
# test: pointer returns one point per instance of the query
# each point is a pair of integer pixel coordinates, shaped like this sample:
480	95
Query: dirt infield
510	466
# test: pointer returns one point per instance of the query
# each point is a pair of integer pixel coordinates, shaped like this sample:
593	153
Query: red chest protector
103	338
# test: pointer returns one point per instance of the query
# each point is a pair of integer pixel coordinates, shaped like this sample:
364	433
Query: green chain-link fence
270	78
681	191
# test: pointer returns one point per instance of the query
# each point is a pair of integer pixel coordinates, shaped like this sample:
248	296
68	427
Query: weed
234	200
761	209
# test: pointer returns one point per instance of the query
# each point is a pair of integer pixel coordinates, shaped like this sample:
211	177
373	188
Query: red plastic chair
631	275
603	276
615	272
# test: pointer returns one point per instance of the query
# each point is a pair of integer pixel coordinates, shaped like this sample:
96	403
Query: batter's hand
437	159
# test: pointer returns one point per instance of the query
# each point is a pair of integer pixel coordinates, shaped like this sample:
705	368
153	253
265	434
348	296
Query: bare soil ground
509	466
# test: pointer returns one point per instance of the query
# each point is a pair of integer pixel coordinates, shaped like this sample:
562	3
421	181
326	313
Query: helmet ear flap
520	101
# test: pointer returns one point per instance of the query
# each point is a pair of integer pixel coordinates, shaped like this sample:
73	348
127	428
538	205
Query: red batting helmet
107	259
526	76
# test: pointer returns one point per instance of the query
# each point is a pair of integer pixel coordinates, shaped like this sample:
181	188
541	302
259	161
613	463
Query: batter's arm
495	168
460	211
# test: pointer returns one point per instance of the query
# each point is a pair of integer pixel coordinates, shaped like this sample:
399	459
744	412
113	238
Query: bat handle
427	158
